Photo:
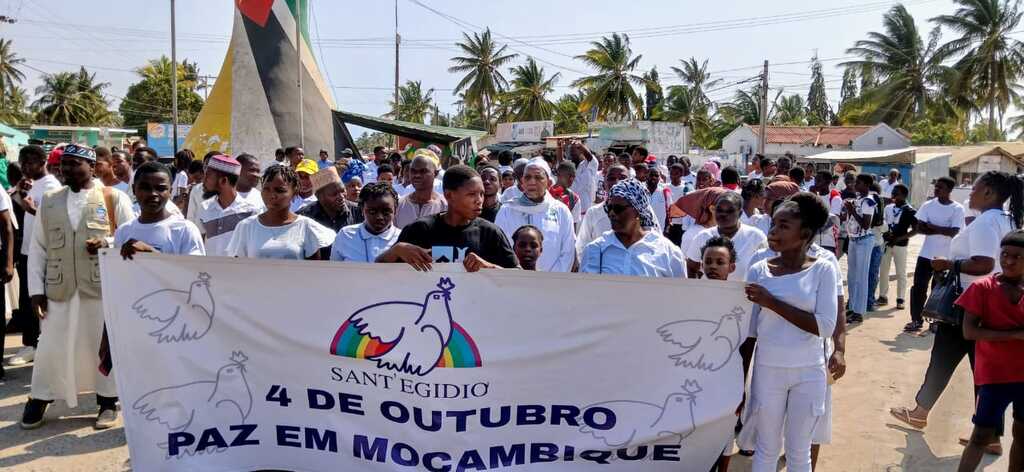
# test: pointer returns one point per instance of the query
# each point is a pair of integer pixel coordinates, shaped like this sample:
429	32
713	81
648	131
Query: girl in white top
795	311
538	208
278	233
746	239
632	247
365	241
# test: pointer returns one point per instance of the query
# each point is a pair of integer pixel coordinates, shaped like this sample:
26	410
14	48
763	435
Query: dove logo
182	315
641	421
408	336
190	410
704	345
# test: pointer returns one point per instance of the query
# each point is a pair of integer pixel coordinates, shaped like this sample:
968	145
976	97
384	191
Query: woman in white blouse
537	207
632	247
278	233
795	311
746	239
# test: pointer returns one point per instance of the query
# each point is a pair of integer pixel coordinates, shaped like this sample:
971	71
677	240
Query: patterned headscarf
355	169
636	194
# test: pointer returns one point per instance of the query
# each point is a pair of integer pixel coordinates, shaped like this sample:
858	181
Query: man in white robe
71	225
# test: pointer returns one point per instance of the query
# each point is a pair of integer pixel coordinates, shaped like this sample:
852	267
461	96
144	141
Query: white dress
67	357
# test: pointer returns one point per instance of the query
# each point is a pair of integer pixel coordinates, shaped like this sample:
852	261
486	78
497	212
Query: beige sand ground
885	369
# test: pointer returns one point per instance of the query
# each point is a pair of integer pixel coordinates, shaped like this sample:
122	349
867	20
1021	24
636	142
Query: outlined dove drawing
416	332
706	345
183	315
637	420
195	406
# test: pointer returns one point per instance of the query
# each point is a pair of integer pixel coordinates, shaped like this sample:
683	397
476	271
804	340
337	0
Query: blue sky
352	38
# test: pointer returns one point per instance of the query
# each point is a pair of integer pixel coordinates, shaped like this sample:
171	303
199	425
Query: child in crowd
528	243
508	179
994	319
719	258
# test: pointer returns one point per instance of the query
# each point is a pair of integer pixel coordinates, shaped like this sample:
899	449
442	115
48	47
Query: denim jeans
857	278
873	268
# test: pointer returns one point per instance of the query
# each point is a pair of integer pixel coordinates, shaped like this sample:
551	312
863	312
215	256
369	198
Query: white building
804	141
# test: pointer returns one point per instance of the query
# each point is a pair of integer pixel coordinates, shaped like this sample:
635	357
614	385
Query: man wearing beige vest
72	223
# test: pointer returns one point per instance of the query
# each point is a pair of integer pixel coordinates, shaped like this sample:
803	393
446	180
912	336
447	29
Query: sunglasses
617	209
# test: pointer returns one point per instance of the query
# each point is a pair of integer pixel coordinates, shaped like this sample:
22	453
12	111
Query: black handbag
940	306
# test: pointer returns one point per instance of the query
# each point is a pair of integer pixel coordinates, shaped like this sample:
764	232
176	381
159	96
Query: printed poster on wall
229	364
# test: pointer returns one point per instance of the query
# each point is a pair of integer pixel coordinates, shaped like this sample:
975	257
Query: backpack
879	218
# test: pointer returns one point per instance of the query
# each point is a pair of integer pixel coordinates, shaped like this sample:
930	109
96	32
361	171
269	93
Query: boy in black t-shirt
900	222
457	235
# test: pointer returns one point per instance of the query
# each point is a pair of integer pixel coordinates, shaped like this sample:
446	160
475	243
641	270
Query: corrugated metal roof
960	155
894	156
418	131
812	135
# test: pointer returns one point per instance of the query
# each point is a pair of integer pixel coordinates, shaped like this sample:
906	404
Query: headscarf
780	190
696	203
636	194
713	169
428	154
355	169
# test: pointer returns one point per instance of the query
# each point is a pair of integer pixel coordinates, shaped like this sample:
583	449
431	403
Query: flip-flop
996	448
903	414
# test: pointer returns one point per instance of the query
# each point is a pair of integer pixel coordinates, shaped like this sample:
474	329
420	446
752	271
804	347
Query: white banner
233	364
524	131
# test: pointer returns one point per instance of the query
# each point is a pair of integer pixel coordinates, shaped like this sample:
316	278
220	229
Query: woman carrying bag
974	254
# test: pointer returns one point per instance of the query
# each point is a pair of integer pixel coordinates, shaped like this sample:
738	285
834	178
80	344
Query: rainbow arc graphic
461	351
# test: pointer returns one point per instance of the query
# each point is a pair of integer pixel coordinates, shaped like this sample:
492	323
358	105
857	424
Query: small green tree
149	99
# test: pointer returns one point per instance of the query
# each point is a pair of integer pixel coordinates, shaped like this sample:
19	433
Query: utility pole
398	41
298	69
174	85
762	139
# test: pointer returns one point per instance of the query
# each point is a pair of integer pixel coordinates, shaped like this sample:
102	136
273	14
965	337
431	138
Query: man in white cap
538	208
72	223
224	209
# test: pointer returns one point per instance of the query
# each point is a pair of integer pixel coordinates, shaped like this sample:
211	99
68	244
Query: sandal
996	448
903	414
913	326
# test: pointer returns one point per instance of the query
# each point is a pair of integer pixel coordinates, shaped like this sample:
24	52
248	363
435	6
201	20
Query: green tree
819	112
367	141
849	88
990	60
697	78
413	103
611	90
70	98
745	107
906	67
530	89
933	133
482	65
791	110
149	99
10	74
684	105
982	131
568	118
15	109
653	94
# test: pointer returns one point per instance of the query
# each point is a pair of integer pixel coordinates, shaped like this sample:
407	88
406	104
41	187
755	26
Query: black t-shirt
452	244
490	214
905	218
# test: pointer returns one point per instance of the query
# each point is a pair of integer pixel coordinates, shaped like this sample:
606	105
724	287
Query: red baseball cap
54	157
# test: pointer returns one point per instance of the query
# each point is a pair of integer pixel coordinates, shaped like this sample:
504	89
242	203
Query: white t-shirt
758	220
688	237
217	224
172	235
948	216
356	244
981	238
39	187
255	197
814	251
747	241
865	207
180	183
298	240
586	182
887	187
660	203
678	191
829	235
5	205
126	188
779	342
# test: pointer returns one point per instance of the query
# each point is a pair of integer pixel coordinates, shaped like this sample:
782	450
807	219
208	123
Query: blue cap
83	152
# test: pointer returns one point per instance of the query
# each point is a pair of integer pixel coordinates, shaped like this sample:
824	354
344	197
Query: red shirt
996	362
566	196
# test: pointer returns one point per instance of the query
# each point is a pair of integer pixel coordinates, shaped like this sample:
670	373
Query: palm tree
696	76
413	103
15	109
91	93
611	90
790	110
746	106
529	92
482	64
59	100
9	72
568	118
990	60
905	67
653	94
684	105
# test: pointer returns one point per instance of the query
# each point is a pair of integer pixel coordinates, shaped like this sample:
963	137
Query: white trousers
897	254
788	403
67	358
